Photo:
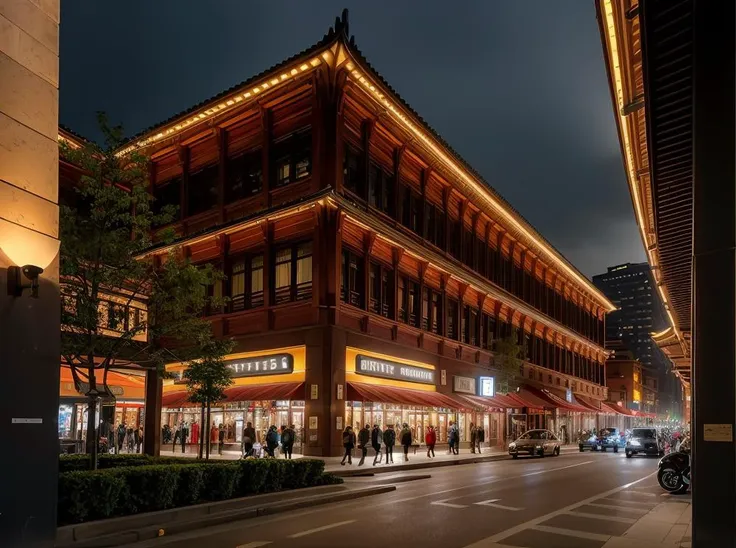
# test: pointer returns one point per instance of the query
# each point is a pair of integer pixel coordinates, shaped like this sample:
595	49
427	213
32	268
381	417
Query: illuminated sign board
273	364
374	367
463	384
487	386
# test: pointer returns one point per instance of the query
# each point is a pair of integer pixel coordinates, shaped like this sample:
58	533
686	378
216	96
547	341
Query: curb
171	529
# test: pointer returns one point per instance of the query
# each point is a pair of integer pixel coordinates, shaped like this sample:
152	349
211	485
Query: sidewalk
416	461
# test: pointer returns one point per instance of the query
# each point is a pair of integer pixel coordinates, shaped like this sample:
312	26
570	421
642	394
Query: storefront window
293	273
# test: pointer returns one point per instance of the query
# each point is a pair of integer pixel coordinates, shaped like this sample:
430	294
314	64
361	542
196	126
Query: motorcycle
674	470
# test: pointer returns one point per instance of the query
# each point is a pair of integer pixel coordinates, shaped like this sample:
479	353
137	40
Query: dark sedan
644	441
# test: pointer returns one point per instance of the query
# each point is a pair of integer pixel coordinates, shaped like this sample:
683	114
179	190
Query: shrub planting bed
126	486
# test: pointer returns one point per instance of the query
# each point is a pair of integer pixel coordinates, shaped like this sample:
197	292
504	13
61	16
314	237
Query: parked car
611	438
644	441
588	440
535	442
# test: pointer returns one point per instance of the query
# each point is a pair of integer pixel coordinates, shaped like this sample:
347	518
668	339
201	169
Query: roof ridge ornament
342	23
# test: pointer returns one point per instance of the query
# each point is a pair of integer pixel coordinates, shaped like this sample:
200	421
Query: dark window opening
452	331
380	291
292	158
352	286
470	325
380	189
167	194
351	173
202	189
244	175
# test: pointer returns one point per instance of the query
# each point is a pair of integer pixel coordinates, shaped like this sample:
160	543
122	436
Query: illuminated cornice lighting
429	143
268	82
615	63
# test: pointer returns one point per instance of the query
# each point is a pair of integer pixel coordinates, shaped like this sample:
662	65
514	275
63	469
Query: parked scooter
674	469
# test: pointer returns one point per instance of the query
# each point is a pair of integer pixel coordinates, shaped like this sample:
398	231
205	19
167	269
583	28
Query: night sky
518	88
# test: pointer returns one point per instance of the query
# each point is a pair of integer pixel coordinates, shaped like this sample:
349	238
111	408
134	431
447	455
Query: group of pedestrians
375	438
286	438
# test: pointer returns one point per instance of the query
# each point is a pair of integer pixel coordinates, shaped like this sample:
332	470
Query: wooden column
367	131
368	240
222	174
398	156
153	401
266	174
423	209
397	254
446	220
184	190
268	265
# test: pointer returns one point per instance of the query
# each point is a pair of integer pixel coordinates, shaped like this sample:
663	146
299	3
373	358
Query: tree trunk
202	432
92	441
207	441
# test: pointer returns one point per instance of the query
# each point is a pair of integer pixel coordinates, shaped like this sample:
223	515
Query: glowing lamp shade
26	247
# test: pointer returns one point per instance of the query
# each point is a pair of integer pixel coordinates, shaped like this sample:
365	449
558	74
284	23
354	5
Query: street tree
508	357
121	308
207	377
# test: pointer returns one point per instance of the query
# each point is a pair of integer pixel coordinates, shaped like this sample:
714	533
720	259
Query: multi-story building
640	313
369	268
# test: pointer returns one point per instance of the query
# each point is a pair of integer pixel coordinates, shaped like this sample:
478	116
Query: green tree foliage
207	378
106	226
508	357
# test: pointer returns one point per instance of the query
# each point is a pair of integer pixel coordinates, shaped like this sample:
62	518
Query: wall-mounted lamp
16	286
20	246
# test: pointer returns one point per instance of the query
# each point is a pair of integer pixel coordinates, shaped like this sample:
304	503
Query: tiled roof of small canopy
341	29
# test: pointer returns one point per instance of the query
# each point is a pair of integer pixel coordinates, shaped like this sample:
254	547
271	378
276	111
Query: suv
644	440
610	437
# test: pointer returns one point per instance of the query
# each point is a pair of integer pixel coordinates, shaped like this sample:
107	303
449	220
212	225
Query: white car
535	443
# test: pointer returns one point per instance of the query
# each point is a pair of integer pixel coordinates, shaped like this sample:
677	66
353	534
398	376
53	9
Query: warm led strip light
429	143
623	125
226	104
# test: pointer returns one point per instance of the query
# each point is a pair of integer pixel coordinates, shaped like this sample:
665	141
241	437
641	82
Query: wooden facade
342	221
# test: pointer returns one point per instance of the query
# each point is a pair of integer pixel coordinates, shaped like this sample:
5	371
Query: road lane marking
323	528
555	469
496	480
571	533
643	493
640	511
256	544
649	505
492	504
488	542
449	505
601	516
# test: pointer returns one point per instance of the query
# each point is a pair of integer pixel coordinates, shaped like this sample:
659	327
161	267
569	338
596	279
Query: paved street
576	500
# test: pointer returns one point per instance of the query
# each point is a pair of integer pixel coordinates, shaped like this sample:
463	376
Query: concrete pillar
714	274
29	222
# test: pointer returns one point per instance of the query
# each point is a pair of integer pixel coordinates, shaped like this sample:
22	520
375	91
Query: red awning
554	400
273	391
505	400
485	402
176	399
590	407
358	391
253	392
527	399
617	409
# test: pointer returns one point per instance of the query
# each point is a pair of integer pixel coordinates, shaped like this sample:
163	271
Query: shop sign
114	390
339	391
366	365
465	385
273	364
487	386
443	377
314	391
338	423
313	423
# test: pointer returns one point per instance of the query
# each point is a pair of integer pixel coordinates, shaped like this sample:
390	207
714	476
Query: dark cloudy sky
518	88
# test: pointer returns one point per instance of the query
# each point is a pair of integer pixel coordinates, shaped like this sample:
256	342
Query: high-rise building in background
640	313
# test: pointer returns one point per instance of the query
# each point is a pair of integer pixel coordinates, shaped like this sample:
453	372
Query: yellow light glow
633	180
274	81
294	72
27	247
350	374
315	62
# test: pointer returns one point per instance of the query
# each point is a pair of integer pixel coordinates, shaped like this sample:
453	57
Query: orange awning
616	409
527	399
358	391
590	407
486	402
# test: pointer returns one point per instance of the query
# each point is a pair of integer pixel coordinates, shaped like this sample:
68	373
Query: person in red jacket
430	438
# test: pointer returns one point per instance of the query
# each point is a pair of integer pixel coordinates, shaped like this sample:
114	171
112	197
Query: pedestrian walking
348	442
272	441
184	436
454	438
389	440
220	439
249	437
137	438
473	435
129	439
430	439
376	440
364	438
121	436
406	440
288	436
480	436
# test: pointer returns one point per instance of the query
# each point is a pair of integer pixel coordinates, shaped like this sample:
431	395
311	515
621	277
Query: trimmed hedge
69	463
129	488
